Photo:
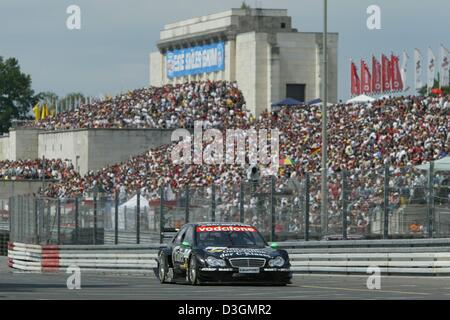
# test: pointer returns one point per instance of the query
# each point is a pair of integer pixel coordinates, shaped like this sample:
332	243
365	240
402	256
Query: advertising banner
195	60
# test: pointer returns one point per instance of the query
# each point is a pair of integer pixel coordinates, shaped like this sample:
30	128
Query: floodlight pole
324	184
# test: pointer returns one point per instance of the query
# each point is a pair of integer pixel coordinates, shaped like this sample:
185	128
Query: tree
16	95
245	6
424	90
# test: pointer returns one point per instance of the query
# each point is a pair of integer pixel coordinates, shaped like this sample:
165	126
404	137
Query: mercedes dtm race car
222	252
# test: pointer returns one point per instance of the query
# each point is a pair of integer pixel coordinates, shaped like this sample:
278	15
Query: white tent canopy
127	212
132	203
361	99
439	165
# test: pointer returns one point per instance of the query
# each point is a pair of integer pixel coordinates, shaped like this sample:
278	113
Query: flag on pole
366	78
431	69
445	67
356	83
386	73
396	79
376	75
404	69
418	69
44	111
36	111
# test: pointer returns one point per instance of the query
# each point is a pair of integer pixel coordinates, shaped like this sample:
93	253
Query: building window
296	91
283	25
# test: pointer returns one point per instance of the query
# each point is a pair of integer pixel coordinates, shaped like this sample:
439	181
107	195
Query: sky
110	53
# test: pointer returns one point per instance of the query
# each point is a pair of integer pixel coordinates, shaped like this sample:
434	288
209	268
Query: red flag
376	76
396	79
366	78
356	83
386	73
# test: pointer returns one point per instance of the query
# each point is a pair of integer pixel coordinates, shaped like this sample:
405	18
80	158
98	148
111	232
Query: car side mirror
186	244
274	245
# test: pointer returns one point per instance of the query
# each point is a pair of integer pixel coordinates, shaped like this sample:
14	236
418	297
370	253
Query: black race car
222	252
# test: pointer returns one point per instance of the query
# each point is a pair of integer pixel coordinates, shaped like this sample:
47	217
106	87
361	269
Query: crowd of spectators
399	132
217	103
36	169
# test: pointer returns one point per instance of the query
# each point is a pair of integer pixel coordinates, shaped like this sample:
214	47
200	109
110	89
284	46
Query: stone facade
263	53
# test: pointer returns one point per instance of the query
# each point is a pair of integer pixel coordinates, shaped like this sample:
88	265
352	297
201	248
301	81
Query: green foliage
16	95
423	91
245	6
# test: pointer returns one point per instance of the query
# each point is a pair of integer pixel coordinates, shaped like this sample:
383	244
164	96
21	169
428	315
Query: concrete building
88	149
258	48
93	149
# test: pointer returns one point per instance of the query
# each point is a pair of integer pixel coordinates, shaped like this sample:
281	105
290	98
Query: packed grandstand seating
36	169
400	132
218	103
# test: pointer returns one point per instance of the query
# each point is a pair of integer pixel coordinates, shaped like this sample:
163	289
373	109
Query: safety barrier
403	257
101	258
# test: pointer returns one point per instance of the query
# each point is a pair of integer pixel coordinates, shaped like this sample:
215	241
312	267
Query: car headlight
276	262
214	262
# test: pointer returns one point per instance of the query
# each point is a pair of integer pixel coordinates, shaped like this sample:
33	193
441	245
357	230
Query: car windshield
229	236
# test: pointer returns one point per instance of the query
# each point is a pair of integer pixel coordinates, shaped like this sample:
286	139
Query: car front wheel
163	268
193	276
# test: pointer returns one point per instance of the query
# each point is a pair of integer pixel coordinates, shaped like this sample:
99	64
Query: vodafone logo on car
225	228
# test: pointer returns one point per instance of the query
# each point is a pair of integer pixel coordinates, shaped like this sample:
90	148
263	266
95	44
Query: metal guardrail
418	257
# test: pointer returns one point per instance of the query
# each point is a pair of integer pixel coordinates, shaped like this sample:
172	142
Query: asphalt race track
119	287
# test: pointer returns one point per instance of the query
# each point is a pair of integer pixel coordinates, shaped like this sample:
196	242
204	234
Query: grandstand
400	133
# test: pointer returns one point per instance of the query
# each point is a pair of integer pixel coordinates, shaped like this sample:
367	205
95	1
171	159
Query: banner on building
418	69
376	76
356	83
396	78
366	78
195	60
404	70
444	80
431	69
386	73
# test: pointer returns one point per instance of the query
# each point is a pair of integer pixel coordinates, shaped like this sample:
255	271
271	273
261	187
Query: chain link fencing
379	203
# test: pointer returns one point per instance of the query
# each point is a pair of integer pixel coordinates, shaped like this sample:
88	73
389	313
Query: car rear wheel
193	271
163	268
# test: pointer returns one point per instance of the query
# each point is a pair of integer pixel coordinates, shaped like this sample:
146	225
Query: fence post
36	202
272	209
77	220
12	216
138	217
306	195
386	203
58	219
95	214
47	230
213	202
186	212
116	218
430	206
161	215
19	223
344	204
241	202
36	220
